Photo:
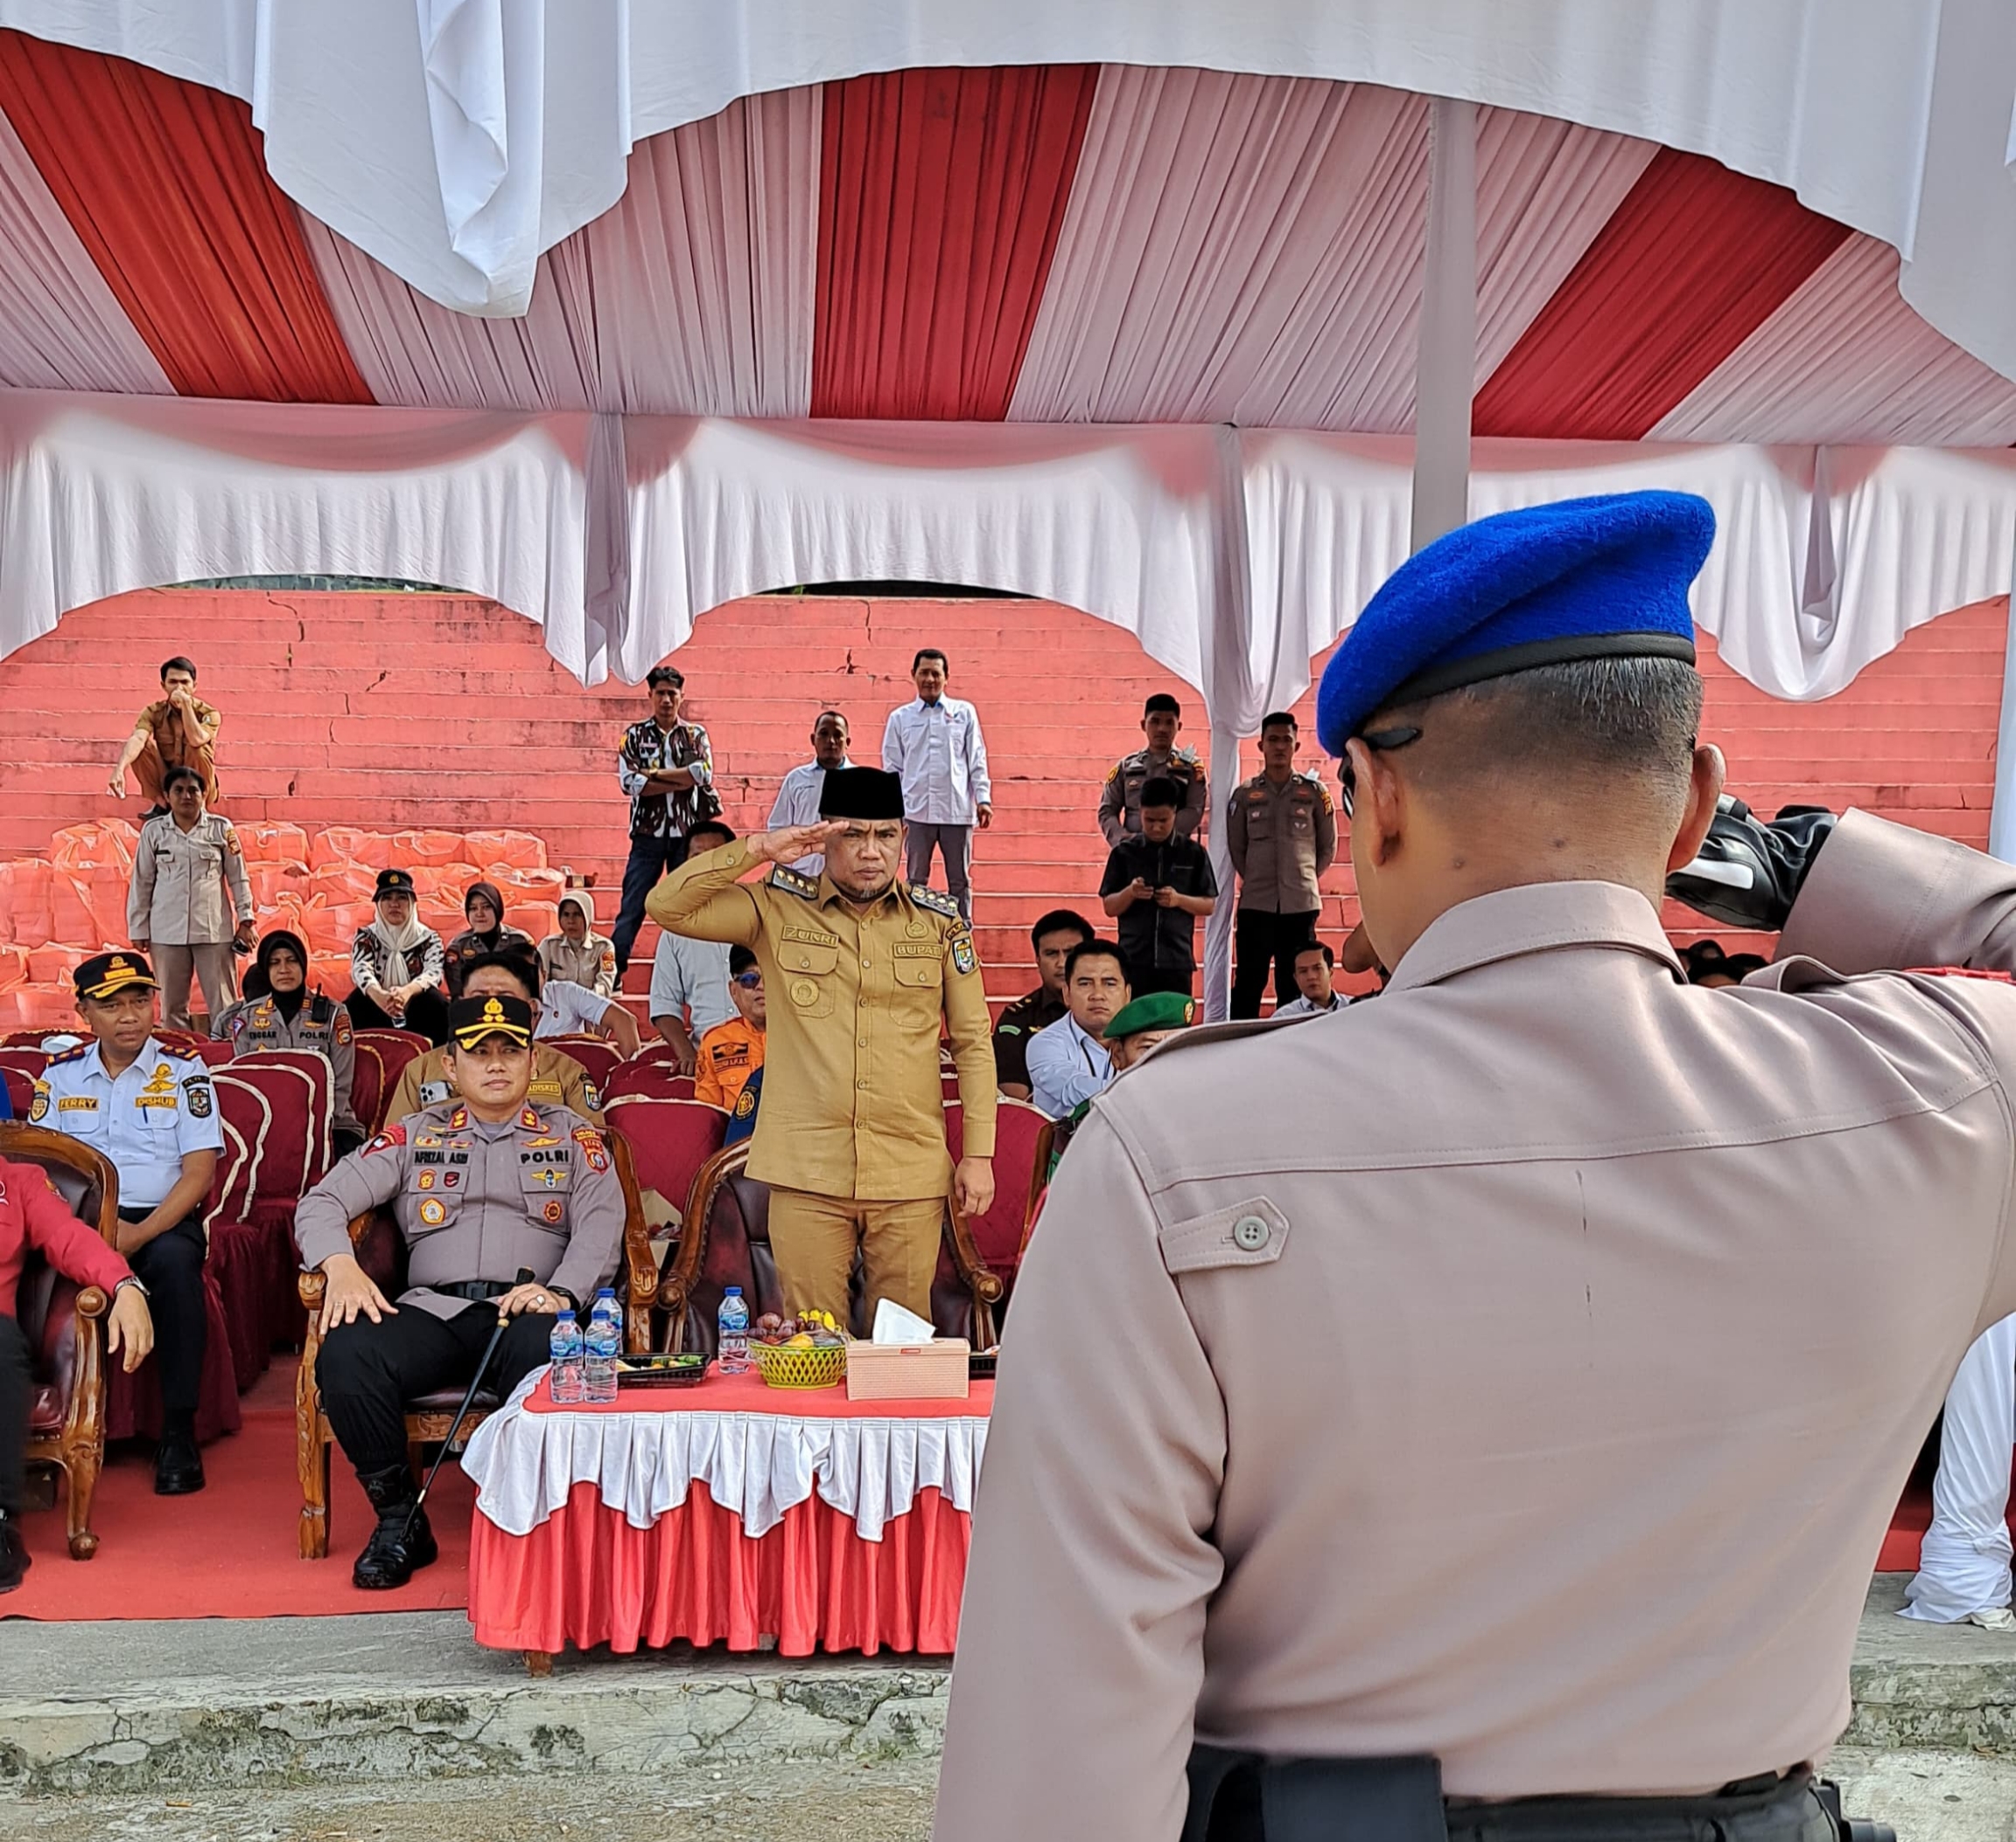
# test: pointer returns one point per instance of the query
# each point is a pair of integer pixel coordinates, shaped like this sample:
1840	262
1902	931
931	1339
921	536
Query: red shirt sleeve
76	1251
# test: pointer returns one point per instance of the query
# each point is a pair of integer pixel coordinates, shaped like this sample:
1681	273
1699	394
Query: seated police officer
154	1117
482	1185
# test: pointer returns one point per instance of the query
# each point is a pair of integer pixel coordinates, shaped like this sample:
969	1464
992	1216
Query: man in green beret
1137	1026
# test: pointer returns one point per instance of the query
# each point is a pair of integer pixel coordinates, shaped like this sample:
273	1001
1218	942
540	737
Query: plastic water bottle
564	1352
604	1341
732	1328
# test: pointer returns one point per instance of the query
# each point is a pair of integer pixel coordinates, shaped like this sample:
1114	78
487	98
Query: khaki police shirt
258	1023
1282	838
558	1080
852	1102
1542	1407
476	1201
1120	799
189	888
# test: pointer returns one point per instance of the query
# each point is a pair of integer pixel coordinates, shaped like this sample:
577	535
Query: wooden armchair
64	1326
381	1251
724	1240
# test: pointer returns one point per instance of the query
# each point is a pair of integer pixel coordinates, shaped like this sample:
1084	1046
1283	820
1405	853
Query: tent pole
2002	814
1446	360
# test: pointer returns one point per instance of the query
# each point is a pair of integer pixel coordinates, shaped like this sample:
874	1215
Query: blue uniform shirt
145	1122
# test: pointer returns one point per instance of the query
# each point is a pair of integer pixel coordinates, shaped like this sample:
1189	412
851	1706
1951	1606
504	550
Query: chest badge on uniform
550	1177
450	1179
803	991
433	1211
554	1211
426	1179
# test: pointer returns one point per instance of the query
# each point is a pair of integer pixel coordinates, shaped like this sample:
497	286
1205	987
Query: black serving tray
661	1369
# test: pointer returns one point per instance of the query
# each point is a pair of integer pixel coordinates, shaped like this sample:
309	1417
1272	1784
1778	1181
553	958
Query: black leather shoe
13	1552
398	1547
178	1465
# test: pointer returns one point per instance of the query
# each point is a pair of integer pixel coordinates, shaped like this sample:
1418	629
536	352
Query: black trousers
170	1267
1143	978
368	1372
650	858
1260	941
13	1412
426	1015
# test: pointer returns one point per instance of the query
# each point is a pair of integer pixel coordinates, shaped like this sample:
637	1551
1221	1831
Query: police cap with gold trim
106	975
473	1021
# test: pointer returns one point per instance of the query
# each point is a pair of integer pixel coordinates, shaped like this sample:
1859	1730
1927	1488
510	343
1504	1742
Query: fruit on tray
808	1330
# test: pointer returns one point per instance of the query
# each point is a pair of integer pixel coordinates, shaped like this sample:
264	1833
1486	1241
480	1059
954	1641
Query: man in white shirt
689	978
798	797
933	745
1312	967
568	1009
1069	1060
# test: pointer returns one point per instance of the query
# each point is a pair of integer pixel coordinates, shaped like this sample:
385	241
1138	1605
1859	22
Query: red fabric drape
1693	262
584	1576
166	183
941	195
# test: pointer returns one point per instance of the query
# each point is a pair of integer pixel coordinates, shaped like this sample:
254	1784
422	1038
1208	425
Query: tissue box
933	1371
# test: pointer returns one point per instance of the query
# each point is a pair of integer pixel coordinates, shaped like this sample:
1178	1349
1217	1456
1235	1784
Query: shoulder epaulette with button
72	1055
1186	754
793	882
936	900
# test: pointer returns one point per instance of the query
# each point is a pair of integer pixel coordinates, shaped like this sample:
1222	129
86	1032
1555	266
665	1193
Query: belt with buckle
477	1289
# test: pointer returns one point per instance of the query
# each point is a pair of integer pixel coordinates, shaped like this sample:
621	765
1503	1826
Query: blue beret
1583	578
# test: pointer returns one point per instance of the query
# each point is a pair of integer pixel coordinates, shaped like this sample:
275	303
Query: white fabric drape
61	327
1964	1561
457	139
101	494
693	295
756	1466
1124	523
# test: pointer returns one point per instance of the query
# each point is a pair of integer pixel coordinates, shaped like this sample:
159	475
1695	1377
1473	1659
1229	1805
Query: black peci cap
860	793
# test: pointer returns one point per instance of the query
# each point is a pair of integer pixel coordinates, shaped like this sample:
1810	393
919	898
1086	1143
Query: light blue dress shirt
1066	1067
146	1121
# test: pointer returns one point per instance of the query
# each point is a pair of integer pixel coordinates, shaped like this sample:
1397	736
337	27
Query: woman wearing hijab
577	955
278	1013
483	908
398	965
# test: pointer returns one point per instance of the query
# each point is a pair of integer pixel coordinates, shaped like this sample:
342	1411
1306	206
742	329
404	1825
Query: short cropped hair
930	652
1317	946
521	965
838	716
1162	703
178	663
665	675
1279	719
740	960
181	772
1061	920
716	828
1094	949
1161	791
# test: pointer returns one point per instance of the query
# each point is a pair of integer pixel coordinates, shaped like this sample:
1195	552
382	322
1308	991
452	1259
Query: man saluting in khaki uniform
1512	1404
860	969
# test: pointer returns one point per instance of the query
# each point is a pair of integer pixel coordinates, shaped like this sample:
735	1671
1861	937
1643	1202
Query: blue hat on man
1605	577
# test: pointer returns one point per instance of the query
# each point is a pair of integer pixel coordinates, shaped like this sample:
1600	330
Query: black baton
468	1400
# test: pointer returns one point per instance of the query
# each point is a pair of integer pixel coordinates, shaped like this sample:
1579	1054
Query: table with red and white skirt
722	1511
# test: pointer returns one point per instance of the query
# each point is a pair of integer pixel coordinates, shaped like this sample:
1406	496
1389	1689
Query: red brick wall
394	710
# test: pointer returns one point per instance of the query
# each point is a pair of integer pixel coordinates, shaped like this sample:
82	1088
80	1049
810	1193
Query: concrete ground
391	1727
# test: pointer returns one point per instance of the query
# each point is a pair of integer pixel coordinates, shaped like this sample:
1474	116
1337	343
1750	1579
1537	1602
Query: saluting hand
351	1290
794	842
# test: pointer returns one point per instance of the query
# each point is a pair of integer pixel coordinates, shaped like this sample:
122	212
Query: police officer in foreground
481	1185
154	1117
1507	1400
860	969
1162	759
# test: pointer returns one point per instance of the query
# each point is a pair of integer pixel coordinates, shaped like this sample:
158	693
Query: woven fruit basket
785	1366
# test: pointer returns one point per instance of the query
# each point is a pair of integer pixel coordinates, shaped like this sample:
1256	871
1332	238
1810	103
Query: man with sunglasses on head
1596	1318
730	1053
866	971
1281	829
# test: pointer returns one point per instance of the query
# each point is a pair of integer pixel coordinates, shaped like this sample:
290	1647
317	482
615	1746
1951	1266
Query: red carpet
230	1552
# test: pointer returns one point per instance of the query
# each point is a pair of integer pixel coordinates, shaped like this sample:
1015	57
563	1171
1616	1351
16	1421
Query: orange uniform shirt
729	1055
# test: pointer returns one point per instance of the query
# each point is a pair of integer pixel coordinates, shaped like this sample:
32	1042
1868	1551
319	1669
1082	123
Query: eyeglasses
1380	741
748	981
